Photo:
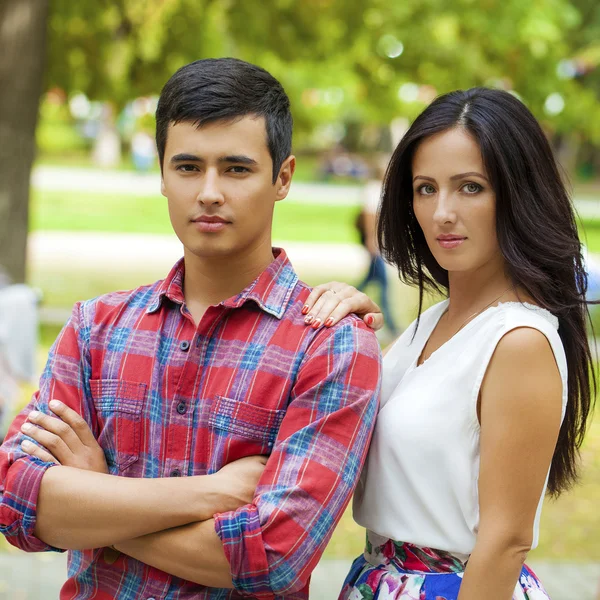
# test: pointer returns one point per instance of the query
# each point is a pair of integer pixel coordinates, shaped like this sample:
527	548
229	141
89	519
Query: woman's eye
472	188
427	190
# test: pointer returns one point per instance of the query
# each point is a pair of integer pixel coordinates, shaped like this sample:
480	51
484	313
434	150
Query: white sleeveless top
419	484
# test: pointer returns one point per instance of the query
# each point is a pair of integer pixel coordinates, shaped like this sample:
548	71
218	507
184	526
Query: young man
186	384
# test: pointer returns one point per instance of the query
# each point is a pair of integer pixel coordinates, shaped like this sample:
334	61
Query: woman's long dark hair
536	229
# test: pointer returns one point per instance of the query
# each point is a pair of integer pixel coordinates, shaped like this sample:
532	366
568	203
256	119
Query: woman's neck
472	292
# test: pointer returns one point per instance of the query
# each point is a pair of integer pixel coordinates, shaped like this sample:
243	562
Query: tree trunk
23	25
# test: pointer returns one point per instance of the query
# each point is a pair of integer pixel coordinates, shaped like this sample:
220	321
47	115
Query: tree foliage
342	59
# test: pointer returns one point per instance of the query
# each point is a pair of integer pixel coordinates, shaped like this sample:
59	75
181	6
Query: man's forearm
192	552
80	509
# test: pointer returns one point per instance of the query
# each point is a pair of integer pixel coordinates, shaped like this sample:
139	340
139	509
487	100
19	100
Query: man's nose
210	191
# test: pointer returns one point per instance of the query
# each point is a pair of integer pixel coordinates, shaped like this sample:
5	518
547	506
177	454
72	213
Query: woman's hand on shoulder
328	303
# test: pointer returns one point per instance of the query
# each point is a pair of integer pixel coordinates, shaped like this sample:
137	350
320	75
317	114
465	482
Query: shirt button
175	473
185	346
181	408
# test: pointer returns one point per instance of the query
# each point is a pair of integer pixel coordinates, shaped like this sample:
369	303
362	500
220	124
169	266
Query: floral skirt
400	571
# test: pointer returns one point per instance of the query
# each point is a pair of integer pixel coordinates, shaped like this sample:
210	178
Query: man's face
218	182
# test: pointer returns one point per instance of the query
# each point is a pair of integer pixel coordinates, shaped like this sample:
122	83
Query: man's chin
206	251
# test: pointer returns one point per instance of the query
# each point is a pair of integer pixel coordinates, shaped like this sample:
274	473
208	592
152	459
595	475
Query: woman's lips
450	242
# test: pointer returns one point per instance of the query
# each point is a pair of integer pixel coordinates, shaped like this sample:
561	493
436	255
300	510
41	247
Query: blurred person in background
486	396
207	442
18	342
143	147
366	224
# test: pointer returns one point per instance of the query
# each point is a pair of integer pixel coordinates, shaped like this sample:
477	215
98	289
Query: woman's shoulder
528	338
523	328
514	313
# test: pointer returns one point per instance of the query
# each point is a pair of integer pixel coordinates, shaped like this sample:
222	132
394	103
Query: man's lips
210	219
210	224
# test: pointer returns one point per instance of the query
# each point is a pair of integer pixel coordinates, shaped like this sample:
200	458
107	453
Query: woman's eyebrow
469	174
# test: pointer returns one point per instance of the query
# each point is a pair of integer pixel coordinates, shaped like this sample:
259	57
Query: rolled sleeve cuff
18	507
241	536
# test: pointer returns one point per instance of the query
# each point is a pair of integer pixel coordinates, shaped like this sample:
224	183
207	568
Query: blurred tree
349	60
22	51
342	62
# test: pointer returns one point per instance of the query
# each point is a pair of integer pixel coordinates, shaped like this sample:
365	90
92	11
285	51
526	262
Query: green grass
570	526
589	232
69	211
307	166
294	221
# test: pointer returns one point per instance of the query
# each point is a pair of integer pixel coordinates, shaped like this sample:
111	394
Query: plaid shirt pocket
240	429
119	405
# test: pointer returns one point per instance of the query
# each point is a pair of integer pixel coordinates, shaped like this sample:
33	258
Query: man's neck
209	281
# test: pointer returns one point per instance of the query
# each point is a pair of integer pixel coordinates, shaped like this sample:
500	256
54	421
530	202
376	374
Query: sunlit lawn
294	221
70	211
570	526
307	166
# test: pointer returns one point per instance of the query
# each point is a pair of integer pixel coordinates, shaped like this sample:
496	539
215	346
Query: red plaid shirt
165	398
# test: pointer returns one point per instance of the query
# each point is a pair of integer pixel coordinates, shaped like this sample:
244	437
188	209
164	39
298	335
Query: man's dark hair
226	89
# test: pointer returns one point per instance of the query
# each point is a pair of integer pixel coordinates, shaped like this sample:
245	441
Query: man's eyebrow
234	158
238	158
183	157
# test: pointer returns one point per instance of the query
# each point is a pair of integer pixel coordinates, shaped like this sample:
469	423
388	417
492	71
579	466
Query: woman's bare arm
520	415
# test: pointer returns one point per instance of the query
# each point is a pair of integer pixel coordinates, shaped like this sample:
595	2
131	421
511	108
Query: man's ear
163	191
284	179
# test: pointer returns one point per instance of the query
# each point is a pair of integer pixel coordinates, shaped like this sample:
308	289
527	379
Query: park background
80	214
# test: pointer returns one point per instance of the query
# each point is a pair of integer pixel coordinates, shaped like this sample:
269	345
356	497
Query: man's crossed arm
166	523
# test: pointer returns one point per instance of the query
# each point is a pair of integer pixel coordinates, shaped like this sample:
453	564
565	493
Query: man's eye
187	168
239	169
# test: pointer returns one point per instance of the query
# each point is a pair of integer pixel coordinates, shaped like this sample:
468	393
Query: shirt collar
271	290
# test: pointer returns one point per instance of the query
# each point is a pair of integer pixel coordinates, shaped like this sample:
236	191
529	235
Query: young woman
486	395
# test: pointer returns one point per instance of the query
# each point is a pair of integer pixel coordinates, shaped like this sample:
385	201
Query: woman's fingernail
329	322
305	309
55	404
369	320
26	444
33	415
308	320
26	427
316	324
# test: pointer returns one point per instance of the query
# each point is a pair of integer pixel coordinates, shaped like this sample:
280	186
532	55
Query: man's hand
238	480
66	440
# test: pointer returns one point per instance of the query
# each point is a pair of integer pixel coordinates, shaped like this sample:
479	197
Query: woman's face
454	202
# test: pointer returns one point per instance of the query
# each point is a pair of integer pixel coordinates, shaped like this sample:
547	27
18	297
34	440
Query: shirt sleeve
274	543
65	378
